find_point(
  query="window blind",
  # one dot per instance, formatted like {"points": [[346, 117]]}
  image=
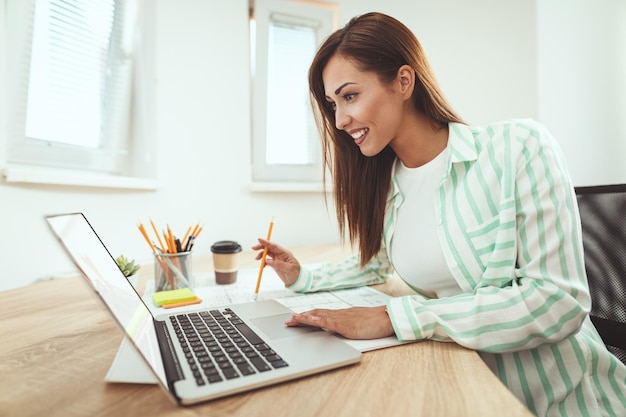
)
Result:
{"points": [[68, 71], [77, 95], [291, 134], [285, 143]]}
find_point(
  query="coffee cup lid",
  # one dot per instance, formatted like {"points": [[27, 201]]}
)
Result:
{"points": [[226, 246]]}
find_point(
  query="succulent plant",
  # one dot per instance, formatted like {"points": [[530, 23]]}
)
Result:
{"points": [[127, 266]]}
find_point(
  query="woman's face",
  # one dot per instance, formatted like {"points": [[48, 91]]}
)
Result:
{"points": [[368, 110]]}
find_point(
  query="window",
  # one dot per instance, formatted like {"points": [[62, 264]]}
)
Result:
{"points": [[285, 37], [71, 70]]}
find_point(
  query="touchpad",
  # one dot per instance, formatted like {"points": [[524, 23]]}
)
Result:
{"points": [[275, 328]]}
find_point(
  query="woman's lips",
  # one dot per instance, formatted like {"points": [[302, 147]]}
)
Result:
{"points": [[359, 135]]}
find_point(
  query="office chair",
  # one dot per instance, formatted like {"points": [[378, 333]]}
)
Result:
{"points": [[603, 218]]}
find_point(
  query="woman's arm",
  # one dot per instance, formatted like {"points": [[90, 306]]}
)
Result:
{"points": [[533, 287], [328, 276]]}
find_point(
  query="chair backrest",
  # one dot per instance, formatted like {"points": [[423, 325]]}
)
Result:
{"points": [[603, 217]]}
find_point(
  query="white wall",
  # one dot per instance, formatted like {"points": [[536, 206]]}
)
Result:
{"points": [[483, 51], [582, 84]]}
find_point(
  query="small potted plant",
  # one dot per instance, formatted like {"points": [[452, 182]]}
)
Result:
{"points": [[128, 267]]}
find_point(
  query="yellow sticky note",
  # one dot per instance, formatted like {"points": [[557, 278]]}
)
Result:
{"points": [[173, 296]]}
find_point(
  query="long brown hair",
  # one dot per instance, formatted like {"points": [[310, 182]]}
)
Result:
{"points": [[381, 44]]}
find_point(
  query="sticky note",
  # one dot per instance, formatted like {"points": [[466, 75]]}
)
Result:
{"points": [[184, 303], [173, 296]]}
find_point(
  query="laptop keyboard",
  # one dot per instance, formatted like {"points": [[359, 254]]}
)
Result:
{"points": [[218, 345]]}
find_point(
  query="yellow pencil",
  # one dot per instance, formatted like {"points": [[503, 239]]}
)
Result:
{"points": [[258, 280], [170, 240], [195, 229], [157, 234], [183, 241], [145, 235]]}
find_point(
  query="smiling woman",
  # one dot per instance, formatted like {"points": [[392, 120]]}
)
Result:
{"points": [[481, 221]]}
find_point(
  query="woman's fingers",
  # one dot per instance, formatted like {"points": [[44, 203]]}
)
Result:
{"points": [[353, 323]]}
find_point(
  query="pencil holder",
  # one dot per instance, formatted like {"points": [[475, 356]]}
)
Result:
{"points": [[172, 271]]}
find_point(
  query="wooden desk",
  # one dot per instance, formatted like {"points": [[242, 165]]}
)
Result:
{"points": [[64, 341]]}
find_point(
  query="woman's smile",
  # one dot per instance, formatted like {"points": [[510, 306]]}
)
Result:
{"points": [[359, 135]]}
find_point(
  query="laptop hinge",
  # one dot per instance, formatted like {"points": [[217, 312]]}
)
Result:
{"points": [[173, 371]]}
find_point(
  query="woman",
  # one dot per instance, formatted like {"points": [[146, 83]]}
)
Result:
{"points": [[481, 221]]}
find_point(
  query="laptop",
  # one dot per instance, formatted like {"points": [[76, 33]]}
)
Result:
{"points": [[200, 355]]}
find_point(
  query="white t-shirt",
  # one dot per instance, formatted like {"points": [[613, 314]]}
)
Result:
{"points": [[415, 251]]}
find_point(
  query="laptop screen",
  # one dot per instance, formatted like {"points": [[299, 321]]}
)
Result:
{"points": [[100, 269]]}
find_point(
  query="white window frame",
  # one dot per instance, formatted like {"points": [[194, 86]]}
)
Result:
{"points": [[283, 177], [37, 161]]}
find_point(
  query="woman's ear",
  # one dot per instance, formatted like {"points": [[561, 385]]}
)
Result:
{"points": [[406, 80]]}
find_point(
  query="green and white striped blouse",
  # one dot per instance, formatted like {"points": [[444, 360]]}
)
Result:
{"points": [[509, 228]]}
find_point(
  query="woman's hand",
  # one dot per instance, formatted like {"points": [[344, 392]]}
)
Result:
{"points": [[353, 323], [281, 260]]}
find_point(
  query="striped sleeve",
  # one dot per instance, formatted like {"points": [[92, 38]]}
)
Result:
{"points": [[510, 233], [345, 274]]}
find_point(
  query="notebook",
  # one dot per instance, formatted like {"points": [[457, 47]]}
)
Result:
{"points": [[200, 355]]}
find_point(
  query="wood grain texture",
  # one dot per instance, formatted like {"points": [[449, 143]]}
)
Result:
{"points": [[63, 342]]}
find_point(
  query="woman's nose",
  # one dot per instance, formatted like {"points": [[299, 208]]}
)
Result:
{"points": [[341, 119]]}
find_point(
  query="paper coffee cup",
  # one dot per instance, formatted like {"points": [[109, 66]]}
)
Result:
{"points": [[226, 261]]}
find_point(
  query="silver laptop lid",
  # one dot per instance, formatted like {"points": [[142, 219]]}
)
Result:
{"points": [[99, 268]]}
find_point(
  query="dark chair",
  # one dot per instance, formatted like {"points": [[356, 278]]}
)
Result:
{"points": [[603, 218]]}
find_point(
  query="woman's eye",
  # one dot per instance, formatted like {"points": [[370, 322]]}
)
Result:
{"points": [[346, 97]]}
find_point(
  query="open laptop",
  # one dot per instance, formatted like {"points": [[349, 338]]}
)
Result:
{"points": [[205, 354]]}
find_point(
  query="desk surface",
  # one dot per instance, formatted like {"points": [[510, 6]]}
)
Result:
{"points": [[65, 342]]}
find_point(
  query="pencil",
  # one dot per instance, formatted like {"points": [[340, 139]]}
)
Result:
{"points": [[195, 229], [170, 240], [258, 280], [142, 229], [183, 241], [145, 236], [157, 234]]}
